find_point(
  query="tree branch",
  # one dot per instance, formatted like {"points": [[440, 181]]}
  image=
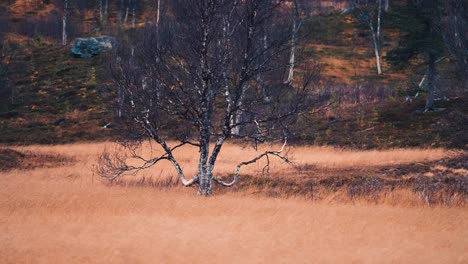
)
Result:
{"points": [[264, 154]]}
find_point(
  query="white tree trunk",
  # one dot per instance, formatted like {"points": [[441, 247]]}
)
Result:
{"points": [[126, 12], [295, 30], [387, 5], [158, 12], [379, 16], [292, 56], [376, 47], [64, 23], [101, 15], [260, 79]]}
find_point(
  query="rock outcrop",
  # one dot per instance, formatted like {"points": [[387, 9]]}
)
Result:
{"points": [[90, 47]]}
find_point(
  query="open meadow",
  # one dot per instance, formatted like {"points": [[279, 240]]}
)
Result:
{"points": [[55, 209]]}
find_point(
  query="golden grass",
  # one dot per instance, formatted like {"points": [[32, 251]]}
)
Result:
{"points": [[67, 215]]}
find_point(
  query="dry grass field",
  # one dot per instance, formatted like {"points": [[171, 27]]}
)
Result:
{"points": [[59, 211]]}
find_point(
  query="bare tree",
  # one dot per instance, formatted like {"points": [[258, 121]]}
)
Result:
{"points": [[203, 75], [296, 25], [370, 13]]}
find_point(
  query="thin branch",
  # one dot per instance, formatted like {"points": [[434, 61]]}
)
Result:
{"points": [[264, 154]]}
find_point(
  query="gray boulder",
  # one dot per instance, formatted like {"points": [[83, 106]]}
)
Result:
{"points": [[90, 47]]}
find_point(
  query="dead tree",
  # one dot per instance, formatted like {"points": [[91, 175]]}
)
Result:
{"points": [[201, 71]]}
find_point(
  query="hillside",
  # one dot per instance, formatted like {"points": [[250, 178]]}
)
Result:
{"points": [[49, 96]]}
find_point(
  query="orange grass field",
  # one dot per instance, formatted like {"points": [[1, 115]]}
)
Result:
{"points": [[67, 214]]}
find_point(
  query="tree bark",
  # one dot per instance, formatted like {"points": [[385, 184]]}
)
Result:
{"points": [[376, 47], [126, 12], [379, 16], [205, 184], [158, 12], [64, 23], [295, 30], [431, 83]]}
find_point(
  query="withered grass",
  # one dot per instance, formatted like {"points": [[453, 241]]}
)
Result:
{"points": [[66, 214]]}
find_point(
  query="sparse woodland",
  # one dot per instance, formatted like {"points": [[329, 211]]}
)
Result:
{"points": [[361, 74], [233, 131]]}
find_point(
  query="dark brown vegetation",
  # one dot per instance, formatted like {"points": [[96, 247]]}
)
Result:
{"points": [[26, 160], [51, 97], [442, 182]]}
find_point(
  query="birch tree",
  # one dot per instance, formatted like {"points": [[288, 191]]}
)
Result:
{"points": [[202, 74], [158, 12], [370, 13], [64, 22], [296, 25]]}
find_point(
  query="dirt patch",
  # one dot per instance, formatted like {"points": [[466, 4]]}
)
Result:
{"points": [[12, 159]]}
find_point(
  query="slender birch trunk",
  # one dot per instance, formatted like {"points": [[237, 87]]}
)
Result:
{"points": [[207, 104], [387, 5], [101, 15], [158, 13], [379, 18], [261, 81], [376, 49], [431, 83], [64, 23], [295, 30], [126, 12], [376, 36]]}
